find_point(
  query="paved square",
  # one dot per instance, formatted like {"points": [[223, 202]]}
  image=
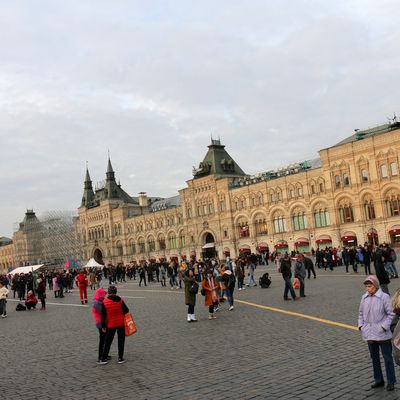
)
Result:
{"points": [[248, 353]]}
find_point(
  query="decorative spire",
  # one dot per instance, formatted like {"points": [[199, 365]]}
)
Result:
{"points": [[110, 172]]}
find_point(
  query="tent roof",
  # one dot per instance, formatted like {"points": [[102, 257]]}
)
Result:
{"points": [[93, 263], [26, 269]]}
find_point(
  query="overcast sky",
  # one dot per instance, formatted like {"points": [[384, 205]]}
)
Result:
{"points": [[152, 80]]}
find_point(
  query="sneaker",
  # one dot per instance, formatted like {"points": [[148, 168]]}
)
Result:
{"points": [[240, 288], [210, 316], [389, 387], [214, 316], [4, 316], [121, 360], [230, 308], [102, 362]]}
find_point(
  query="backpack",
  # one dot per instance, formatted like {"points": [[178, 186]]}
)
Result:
{"points": [[20, 307], [231, 281]]}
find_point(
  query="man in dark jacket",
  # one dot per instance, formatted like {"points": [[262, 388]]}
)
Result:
{"points": [[308, 263], [380, 270], [286, 271]]}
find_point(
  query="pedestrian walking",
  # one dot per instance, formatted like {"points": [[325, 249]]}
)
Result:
{"points": [[228, 279], [112, 321], [251, 281], [191, 290], [374, 320], [82, 284], [97, 307], [210, 287], [286, 271], [300, 273], [308, 263]]}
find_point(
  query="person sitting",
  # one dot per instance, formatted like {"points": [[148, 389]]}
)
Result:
{"points": [[265, 281], [31, 300]]}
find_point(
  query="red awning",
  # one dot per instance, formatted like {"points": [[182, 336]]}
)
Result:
{"points": [[394, 231], [262, 248], [162, 259], [372, 234], [281, 245], [349, 238], [301, 243], [244, 250], [325, 240]]}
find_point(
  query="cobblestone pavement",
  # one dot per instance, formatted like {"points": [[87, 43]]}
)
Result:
{"points": [[248, 353]]}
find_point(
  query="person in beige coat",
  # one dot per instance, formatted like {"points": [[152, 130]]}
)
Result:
{"points": [[3, 300]]}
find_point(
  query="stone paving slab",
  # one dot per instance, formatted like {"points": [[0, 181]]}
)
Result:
{"points": [[248, 353]]}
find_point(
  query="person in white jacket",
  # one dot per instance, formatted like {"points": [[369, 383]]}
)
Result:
{"points": [[3, 296]]}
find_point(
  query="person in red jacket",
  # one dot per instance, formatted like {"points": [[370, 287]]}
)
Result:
{"points": [[113, 320], [82, 283], [31, 300]]}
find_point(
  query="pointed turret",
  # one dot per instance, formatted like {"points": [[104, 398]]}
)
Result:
{"points": [[110, 172], [88, 193]]}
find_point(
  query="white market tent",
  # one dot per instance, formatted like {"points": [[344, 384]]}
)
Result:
{"points": [[92, 263], [26, 269]]}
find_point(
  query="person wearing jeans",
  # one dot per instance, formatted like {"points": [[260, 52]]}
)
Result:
{"points": [[229, 281], [113, 320], [300, 273], [286, 271], [3, 300], [374, 320]]}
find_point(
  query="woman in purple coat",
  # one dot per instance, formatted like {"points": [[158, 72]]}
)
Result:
{"points": [[374, 319]]}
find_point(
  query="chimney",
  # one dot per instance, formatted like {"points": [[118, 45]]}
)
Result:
{"points": [[143, 201]]}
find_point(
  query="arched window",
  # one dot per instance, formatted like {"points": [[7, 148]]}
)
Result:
{"points": [[161, 242], [369, 209], [172, 241], [261, 226], [243, 228], [346, 214], [279, 223], [182, 239], [337, 181], [384, 171], [364, 176], [142, 247], [392, 203], [393, 168], [132, 247], [120, 250], [321, 217], [299, 191], [152, 244], [346, 180], [299, 221]]}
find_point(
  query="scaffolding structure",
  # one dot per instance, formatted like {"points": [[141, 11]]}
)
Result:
{"points": [[51, 239]]}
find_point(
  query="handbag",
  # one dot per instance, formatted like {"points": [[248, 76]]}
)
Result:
{"points": [[194, 288], [130, 326], [203, 291], [296, 283]]}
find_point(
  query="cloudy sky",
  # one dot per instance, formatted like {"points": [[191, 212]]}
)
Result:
{"points": [[150, 81]]}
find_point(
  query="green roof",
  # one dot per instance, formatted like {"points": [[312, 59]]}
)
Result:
{"points": [[366, 133], [217, 162]]}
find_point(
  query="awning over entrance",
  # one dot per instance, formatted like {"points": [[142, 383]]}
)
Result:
{"points": [[349, 237], [324, 239], [394, 230], [262, 247], [209, 245], [302, 242], [281, 244], [372, 233], [244, 249]]}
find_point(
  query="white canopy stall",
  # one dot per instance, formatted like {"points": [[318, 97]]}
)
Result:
{"points": [[26, 269], [92, 263]]}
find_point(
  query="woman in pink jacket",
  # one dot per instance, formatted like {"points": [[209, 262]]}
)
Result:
{"points": [[98, 298]]}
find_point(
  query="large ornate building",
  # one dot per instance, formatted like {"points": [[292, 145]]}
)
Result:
{"points": [[349, 195]]}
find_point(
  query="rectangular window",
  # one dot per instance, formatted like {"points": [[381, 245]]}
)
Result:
{"points": [[317, 219], [222, 205]]}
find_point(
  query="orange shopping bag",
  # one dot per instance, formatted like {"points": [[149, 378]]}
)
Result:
{"points": [[130, 326], [296, 283]]}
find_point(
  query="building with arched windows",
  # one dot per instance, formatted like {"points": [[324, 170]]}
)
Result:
{"points": [[349, 195]]}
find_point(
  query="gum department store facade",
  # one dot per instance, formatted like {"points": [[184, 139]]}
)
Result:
{"points": [[349, 195]]}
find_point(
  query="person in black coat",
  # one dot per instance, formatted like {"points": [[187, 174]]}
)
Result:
{"points": [[380, 270]]}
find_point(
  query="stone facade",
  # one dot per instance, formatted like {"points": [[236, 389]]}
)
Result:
{"points": [[350, 195]]}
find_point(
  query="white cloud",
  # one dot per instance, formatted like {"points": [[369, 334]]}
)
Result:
{"points": [[152, 81]]}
